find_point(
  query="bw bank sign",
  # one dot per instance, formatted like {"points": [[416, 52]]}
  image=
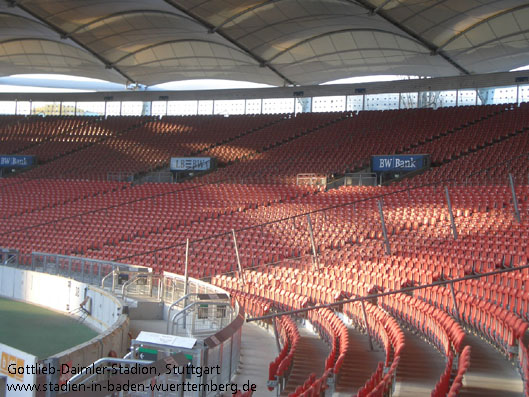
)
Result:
{"points": [[8, 161], [400, 162]]}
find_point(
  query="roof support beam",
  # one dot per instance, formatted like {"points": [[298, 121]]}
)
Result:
{"points": [[8, 14], [64, 35], [154, 45], [471, 27], [243, 12], [246, 50], [434, 50], [126, 13], [309, 39], [380, 7], [525, 31]]}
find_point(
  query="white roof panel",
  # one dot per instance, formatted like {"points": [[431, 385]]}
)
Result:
{"points": [[265, 41]]}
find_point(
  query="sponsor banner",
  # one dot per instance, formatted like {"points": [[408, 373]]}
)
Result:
{"points": [[16, 365], [7, 161], [191, 163], [400, 162]]}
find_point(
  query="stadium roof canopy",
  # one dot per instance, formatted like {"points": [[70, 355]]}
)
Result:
{"points": [[277, 42]]}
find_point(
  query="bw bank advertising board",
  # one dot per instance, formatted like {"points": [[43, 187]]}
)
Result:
{"points": [[399, 162]]}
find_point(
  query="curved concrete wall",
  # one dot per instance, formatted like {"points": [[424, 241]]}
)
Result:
{"points": [[65, 295]]}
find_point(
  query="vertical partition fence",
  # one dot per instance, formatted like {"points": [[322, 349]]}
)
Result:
{"points": [[87, 270]]}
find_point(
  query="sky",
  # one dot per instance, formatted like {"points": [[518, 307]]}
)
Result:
{"points": [[62, 83]]}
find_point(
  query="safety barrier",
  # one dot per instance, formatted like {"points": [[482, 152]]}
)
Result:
{"points": [[65, 295], [88, 270]]}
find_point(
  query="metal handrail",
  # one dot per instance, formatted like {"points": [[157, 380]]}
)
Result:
{"points": [[173, 285], [76, 379], [190, 306], [137, 277], [381, 294], [112, 273], [11, 256], [173, 305]]}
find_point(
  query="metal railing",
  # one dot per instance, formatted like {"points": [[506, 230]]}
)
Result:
{"points": [[201, 318], [116, 176], [156, 177], [357, 179], [311, 180], [174, 287], [8, 257], [102, 369], [151, 357], [143, 285], [88, 270], [369, 297], [180, 303]]}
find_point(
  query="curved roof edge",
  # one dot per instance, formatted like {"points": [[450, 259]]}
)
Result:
{"points": [[396, 86]]}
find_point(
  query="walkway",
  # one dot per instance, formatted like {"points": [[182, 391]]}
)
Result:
{"points": [[489, 374], [258, 350], [309, 358], [359, 364], [420, 367]]}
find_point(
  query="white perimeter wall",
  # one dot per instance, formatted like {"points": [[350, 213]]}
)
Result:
{"points": [[64, 295]]}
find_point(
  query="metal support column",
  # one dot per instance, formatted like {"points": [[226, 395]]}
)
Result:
{"points": [[276, 334], [367, 326], [186, 276], [3, 386], [186, 282], [52, 378], [384, 230], [315, 260], [451, 213], [514, 199], [241, 274], [456, 308]]}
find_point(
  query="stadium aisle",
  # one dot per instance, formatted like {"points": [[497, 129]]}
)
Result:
{"points": [[309, 358], [421, 366], [490, 374], [257, 351], [359, 364]]}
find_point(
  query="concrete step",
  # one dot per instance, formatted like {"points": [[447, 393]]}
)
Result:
{"points": [[258, 350], [420, 368], [359, 364], [309, 358], [490, 374]]}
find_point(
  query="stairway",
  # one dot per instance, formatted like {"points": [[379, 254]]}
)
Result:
{"points": [[309, 358], [420, 367], [489, 374], [359, 364]]}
